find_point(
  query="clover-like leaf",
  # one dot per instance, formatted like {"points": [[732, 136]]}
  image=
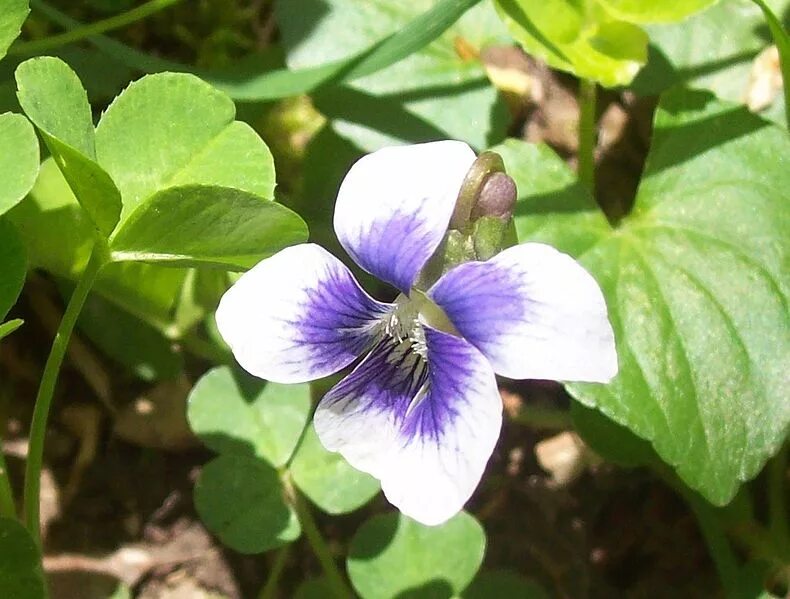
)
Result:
{"points": [[234, 413], [650, 11], [12, 14], [199, 224], [328, 480], [21, 576], [53, 98], [182, 132], [697, 282], [18, 159], [13, 265], [429, 95], [601, 48], [240, 499], [393, 556]]}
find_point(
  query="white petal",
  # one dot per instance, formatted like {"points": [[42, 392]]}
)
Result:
{"points": [[394, 206], [297, 316], [534, 312], [428, 453]]}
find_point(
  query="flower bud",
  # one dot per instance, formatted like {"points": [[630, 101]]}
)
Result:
{"points": [[497, 197]]}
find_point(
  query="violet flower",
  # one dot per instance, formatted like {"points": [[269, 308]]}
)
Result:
{"points": [[421, 411]]}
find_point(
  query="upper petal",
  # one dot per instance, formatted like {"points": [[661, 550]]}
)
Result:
{"points": [[297, 316], [534, 312], [394, 206], [426, 434]]}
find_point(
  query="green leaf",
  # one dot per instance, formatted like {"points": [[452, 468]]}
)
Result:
{"points": [[392, 105], [59, 237], [12, 14], [53, 98], [393, 556], [235, 413], [782, 41], [183, 132], [503, 584], [650, 11], [21, 576], [18, 159], [553, 207], [196, 224], [13, 266], [262, 85], [9, 327], [711, 50], [328, 480], [240, 499], [697, 283], [597, 46]]}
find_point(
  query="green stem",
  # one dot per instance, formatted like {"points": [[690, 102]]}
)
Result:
{"points": [[717, 543], [777, 502], [544, 418], [38, 426], [7, 506], [587, 133], [85, 31], [320, 547], [269, 590]]}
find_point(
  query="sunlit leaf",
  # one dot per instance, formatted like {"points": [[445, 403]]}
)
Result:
{"points": [[650, 11], [18, 159], [198, 224], [53, 98], [12, 14], [697, 282]]}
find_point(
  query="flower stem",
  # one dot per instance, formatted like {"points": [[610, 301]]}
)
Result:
{"points": [[718, 546], [320, 548], [38, 426], [269, 590], [587, 133], [86, 31]]}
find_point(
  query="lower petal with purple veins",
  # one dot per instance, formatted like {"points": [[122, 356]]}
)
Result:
{"points": [[421, 416]]}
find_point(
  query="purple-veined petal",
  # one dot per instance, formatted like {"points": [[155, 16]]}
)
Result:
{"points": [[297, 316], [534, 312], [425, 433], [394, 205]]}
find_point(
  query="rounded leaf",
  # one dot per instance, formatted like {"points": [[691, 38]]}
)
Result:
{"points": [[13, 265], [18, 159], [235, 413], [21, 576], [240, 499], [392, 555]]}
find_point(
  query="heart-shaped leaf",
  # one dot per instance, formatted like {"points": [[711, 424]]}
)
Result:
{"points": [[240, 499], [21, 576], [183, 132], [234, 413], [328, 480], [53, 98], [13, 265], [394, 556], [18, 159], [12, 14], [697, 283], [215, 226]]}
